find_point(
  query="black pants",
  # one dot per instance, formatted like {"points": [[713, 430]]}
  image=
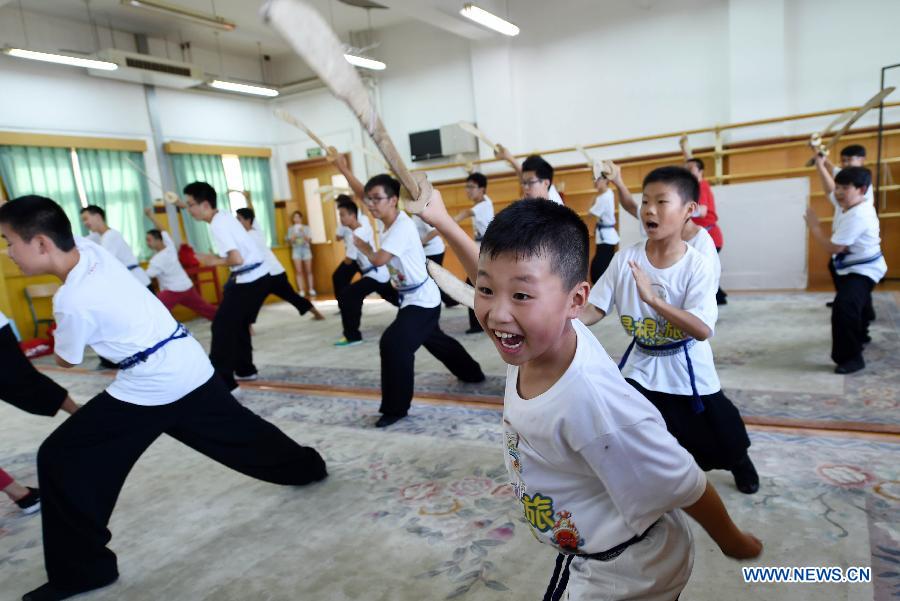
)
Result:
{"points": [[716, 437], [414, 327], [342, 276], [280, 286], [851, 314], [721, 295], [448, 302], [230, 345], [83, 464], [601, 260], [869, 311], [350, 302], [21, 385]]}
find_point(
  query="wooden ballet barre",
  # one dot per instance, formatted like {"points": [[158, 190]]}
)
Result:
{"points": [[805, 142]]}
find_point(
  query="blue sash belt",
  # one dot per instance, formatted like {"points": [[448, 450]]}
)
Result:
{"points": [[401, 291], [130, 267], [665, 350], [245, 268], [840, 263], [140, 357]]}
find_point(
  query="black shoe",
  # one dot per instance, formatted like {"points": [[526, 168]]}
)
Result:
{"points": [[745, 477], [30, 503], [474, 331], [48, 592], [849, 367], [829, 304], [386, 420]]}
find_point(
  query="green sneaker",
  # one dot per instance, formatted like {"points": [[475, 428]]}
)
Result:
{"points": [[345, 342]]}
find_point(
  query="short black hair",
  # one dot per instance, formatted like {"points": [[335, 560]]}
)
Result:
{"points": [[680, 178], [154, 233], [854, 150], [31, 215], [247, 214], [388, 183], [478, 179], [202, 192], [699, 162], [537, 228], [346, 203], [542, 169], [858, 177], [94, 210]]}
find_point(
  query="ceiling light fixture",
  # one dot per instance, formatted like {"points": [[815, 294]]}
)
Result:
{"points": [[180, 12], [364, 62], [243, 88], [489, 20], [62, 59]]}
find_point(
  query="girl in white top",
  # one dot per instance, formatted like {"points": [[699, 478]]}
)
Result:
{"points": [[94, 219], [300, 237], [417, 321], [165, 385], [664, 291]]}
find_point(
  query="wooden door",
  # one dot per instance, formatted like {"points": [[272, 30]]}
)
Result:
{"points": [[320, 213]]}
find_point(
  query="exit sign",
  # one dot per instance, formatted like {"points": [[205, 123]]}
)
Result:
{"points": [[312, 153]]}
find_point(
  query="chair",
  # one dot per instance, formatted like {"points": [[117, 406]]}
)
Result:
{"points": [[37, 291]]}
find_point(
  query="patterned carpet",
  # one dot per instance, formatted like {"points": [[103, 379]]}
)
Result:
{"points": [[422, 511]]}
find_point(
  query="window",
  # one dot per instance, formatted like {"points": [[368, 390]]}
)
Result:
{"points": [[235, 179]]}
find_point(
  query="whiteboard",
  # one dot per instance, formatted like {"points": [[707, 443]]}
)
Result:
{"points": [[765, 234]]}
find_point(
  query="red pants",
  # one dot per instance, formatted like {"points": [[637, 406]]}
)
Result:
{"points": [[5, 479], [191, 299]]}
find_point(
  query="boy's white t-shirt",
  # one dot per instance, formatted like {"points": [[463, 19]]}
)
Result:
{"points": [[689, 284], [554, 195], [591, 459], [703, 242], [407, 266], [115, 244], [167, 269], [859, 229], [379, 274], [482, 215], [100, 305], [604, 210], [435, 246], [272, 263], [228, 234]]}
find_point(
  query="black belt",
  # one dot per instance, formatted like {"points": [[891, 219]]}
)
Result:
{"points": [[560, 578]]}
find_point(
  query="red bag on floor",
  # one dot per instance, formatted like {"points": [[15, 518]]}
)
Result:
{"points": [[37, 347], [187, 257]]}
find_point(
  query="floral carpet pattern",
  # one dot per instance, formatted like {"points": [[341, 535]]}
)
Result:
{"points": [[422, 510]]}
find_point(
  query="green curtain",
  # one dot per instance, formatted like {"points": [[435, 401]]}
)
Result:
{"points": [[120, 190], [43, 171], [200, 168], [258, 182]]}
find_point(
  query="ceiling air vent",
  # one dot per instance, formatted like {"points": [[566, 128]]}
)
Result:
{"points": [[144, 68]]}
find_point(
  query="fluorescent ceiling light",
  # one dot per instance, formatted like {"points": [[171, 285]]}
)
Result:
{"points": [[242, 88], [62, 59], [180, 12], [365, 63], [489, 20]]}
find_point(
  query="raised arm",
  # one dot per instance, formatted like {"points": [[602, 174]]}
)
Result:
{"points": [[340, 162], [824, 169], [626, 200], [503, 152], [150, 215], [435, 214]]}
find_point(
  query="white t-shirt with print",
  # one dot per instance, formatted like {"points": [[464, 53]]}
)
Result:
{"points": [[167, 269], [379, 274], [115, 244], [100, 305], [435, 246], [591, 459], [703, 242], [859, 229], [689, 284], [407, 266], [482, 215], [604, 210], [228, 234], [272, 263]]}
